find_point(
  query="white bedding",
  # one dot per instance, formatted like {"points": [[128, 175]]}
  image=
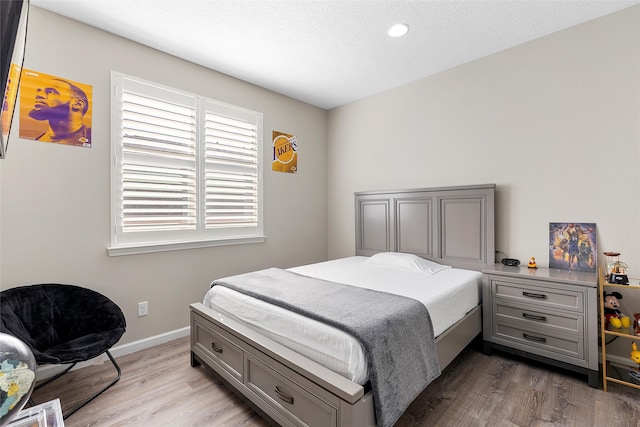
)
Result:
{"points": [[448, 295]]}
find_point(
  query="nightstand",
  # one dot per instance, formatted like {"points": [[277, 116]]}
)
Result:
{"points": [[547, 315]]}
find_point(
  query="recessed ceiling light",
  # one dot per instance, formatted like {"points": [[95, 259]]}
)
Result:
{"points": [[398, 30]]}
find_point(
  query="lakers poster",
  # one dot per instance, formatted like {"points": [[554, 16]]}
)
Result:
{"points": [[54, 109], [285, 152]]}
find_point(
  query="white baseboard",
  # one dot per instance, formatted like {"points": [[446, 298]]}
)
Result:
{"points": [[146, 343], [47, 371]]}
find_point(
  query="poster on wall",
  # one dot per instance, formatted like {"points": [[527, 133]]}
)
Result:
{"points": [[55, 109], [285, 152], [572, 246]]}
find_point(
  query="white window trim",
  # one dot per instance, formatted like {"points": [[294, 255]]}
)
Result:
{"points": [[118, 249], [164, 247]]}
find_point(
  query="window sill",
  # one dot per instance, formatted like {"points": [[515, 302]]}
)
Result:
{"points": [[176, 246]]}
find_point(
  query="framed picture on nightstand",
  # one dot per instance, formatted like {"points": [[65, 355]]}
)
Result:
{"points": [[572, 246]]}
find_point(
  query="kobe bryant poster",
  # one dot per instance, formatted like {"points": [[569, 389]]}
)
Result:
{"points": [[55, 109], [285, 152]]}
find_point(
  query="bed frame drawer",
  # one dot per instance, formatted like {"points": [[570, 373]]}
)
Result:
{"points": [[210, 342], [294, 401]]}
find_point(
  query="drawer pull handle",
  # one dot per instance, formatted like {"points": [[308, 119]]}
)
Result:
{"points": [[283, 396], [534, 317], [215, 348], [532, 295], [534, 338]]}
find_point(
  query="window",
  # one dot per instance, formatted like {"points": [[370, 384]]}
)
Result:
{"points": [[186, 170]]}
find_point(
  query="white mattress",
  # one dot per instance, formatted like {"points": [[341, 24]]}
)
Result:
{"points": [[448, 295]]}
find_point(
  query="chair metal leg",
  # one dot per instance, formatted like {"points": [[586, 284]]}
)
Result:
{"points": [[55, 377], [115, 380], [32, 402], [81, 405]]}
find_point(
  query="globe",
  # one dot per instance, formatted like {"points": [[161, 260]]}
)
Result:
{"points": [[17, 376]]}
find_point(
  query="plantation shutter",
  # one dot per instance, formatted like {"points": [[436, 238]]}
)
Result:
{"points": [[159, 163], [186, 171], [231, 171]]}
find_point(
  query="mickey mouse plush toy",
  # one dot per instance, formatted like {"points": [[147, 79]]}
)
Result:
{"points": [[612, 315]]}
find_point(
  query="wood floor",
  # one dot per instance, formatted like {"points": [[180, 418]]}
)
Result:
{"points": [[159, 388]]}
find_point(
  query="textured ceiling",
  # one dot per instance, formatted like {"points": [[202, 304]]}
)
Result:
{"points": [[330, 52]]}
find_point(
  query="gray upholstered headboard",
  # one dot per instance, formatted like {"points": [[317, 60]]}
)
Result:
{"points": [[450, 225]]}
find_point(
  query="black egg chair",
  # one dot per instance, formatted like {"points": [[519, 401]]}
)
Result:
{"points": [[63, 325]]}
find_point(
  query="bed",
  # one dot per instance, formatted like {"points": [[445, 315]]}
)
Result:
{"points": [[294, 377]]}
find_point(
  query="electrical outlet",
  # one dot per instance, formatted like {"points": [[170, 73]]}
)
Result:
{"points": [[143, 308]]}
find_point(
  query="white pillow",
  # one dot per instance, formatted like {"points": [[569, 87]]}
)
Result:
{"points": [[405, 261]]}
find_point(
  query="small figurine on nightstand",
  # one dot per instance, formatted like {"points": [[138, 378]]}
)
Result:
{"points": [[532, 263]]}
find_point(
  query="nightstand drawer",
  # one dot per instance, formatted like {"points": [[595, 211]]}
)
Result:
{"points": [[531, 318], [552, 297], [567, 346]]}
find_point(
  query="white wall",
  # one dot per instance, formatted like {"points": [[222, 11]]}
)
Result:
{"points": [[55, 199], [555, 123]]}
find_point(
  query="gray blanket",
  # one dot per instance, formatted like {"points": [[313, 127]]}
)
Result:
{"points": [[395, 331]]}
